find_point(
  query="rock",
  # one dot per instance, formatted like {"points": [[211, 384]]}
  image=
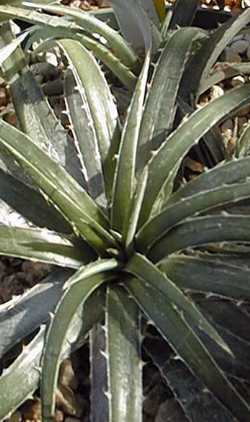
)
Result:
{"points": [[242, 121], [4, 97], [231, 56], [67, 401], [245, 111], [31, 410], [16, 417], [216, 92], [227, 125], [59, 416], [67, 375], [239, 46], [237, 81]]}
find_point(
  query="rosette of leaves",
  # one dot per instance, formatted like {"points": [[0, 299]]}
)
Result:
{"points": [[105, 209]]}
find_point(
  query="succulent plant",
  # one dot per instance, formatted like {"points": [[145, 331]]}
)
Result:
{"points": [[108, 208]]}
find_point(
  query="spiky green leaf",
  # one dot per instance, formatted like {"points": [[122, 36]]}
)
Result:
{"points": [[163, 166], [201, 231], [78, 289], [173, 326], [123, 357], [209, 276]]}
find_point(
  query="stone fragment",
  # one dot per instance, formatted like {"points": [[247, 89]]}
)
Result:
{"points": [[239, 46]]}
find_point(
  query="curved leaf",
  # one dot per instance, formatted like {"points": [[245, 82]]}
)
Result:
{"points": [[225, 71], [58, 185], [140, 267], [200, 231], [183, 19], [197, 402], [175, 329], [163, 166], [15, 385], [208, 276], [35, 116], [85, 138], [17, 195], [159, 225], [160, 106], [135, 24], [101, 52], [91, 24], [41, 245], [79, 288], [225, 173], [102, 107], [202, 62], [31, 16], [25, 313]]}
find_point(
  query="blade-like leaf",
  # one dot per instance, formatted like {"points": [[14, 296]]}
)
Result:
{"points": [[85, 138], [33, 17], [150, 274], [174, 328], [183, 19], [160, 106], [17, 195], [200, 231], [124, 181], [41, 245], [91, 24], [25, 313], [135, 24], [225, 71], [34, 114], [159, 225], [15, 385], [205, 275], [46, 41], [202, 62], [197, 402], [226, 172], [162, 168], [81, 286], [58, 185], [211, 150], [243, 143], [135, 210], [9, 49], [102, 107], [99, 399], [123, 357]]}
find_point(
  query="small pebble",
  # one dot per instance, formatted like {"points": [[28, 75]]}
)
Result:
{"points": [[243, 112], [242, 121], [216, 92], [239, 47], [237, 81], [67, 375], [59, 416], [16, 417], [231, 56], [227, 125]]}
